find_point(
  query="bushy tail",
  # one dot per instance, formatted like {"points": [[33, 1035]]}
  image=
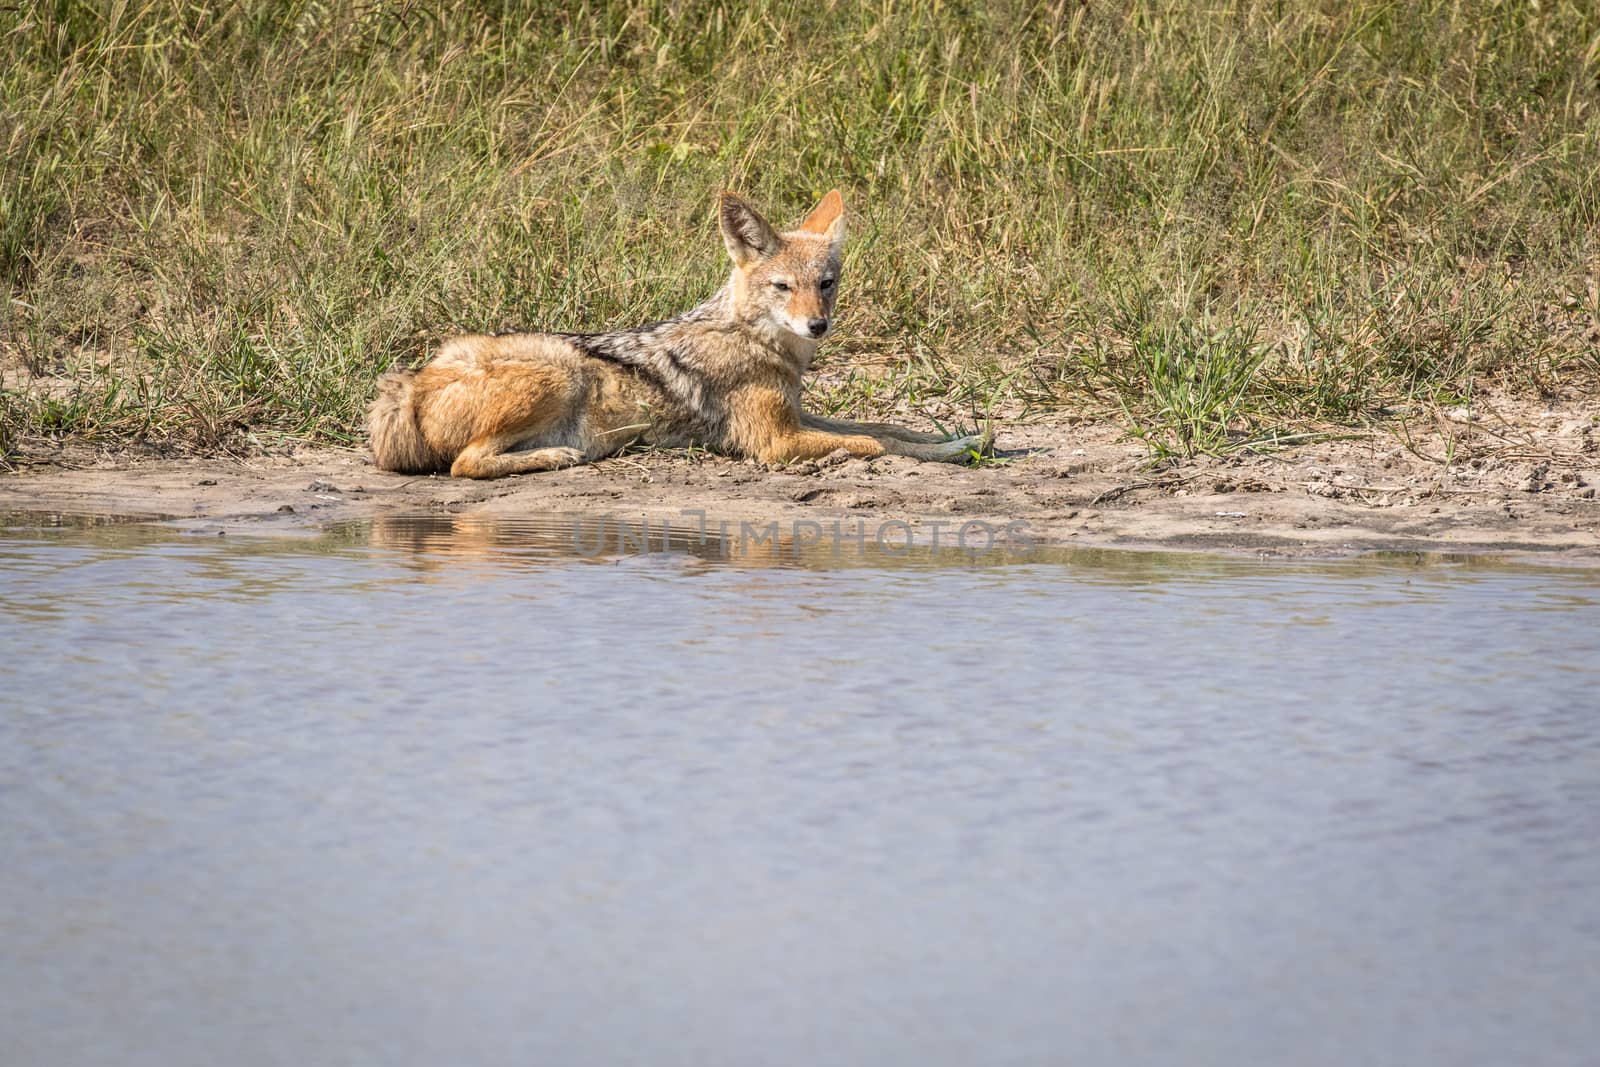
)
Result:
{"points": [[392, 432]]}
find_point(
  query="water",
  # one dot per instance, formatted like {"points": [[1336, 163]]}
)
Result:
{"points": [[436, 791]]}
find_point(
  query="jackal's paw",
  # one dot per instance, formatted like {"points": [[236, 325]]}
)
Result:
{"points": [[565, 457], [960, 449], [549, 458]]}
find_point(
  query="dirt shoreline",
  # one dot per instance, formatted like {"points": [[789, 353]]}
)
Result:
{"points": [[1471, 484]]}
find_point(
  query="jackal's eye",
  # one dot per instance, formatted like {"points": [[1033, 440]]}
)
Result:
{"points": [[782, 287], [827, 283]]}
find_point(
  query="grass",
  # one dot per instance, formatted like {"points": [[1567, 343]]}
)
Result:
{"points": [[1215, 223]]}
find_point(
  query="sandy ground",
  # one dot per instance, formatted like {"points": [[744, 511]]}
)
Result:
{"points": [[1513, 479]]}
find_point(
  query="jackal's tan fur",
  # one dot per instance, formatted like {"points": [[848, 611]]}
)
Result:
{"points": [[725, 375]]}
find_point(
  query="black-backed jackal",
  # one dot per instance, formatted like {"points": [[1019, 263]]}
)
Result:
{"points": [[725, 375]]}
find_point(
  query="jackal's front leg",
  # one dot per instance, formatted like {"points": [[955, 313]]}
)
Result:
{"points": [[814, 444], [870, 429], [954, 450], [767, 424]]}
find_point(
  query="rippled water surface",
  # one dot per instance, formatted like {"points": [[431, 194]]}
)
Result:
{"points": [[437, 791]]}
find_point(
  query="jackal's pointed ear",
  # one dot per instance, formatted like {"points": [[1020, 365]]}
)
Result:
{"points": [[748, 236], [827, 217]]}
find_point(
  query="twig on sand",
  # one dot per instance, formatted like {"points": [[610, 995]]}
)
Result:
{"points": [[605, 464], [1117, 491]]}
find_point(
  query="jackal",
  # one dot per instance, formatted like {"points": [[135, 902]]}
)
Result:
{"points": [[725, 375]]}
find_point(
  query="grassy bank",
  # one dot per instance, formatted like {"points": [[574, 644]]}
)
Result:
{"points": [[218, 223]]}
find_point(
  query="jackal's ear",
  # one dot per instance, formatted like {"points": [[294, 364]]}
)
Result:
{"points": [[827, 217], [748, 236]]}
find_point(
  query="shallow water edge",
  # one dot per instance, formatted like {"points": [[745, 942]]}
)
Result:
{"points": [[807, 544], [1103, 499]]}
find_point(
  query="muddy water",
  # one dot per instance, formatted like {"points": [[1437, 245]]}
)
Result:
{"points": [[443, 792]]}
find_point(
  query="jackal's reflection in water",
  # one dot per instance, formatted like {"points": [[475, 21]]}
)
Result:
{"points": [[697, 541]]}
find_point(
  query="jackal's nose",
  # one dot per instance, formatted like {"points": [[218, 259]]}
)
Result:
{"points": [[818, 327]]}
